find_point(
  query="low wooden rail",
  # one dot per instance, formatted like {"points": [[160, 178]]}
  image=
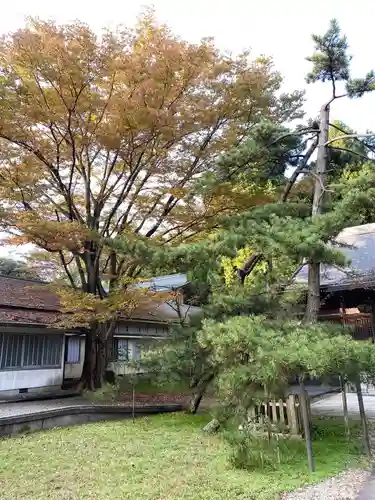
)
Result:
{"points": [[281, 413]]}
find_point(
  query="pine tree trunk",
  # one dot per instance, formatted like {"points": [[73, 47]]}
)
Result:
{"points": [[200, 390], [313, 295], [195, 401]]}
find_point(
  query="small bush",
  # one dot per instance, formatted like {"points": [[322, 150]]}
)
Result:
{"points": [[106, 394], [252, 451], [248, 452]]}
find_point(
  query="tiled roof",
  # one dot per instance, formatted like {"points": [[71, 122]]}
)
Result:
{"points": [[25, 316], [26, 301], [18, 292], [357, 243]]}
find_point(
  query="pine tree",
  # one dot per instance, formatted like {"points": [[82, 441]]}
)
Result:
{"points": [[330, 62]]}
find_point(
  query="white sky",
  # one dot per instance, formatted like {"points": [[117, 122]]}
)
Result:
{"points": [[277, 28], [281, 29]]}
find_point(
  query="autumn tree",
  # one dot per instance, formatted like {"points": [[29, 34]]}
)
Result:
{"points": [[105, 137]]}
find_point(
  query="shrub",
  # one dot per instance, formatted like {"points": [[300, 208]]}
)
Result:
{"points": [[250, 450], [106, 394]]}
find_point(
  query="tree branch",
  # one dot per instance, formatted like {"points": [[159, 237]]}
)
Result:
{"points": [[368, 146], [299, 170], [66, 269], [348, 136], [353, 153]]}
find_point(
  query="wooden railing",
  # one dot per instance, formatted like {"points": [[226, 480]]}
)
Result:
{"points": [[281, 414]]}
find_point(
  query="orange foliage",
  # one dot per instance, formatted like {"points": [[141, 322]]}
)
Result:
{"points": [[102, 136], [83, 309]]}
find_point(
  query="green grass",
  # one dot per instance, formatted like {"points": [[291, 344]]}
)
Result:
{"points": [[164, 457]]}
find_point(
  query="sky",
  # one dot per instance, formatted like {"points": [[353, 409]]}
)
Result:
{"points": [[280, 29]]}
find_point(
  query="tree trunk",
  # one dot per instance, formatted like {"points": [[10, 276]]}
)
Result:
{"points": [[101, 361], [195, 401], [200, 389], [313, 295], [87, 378], [95, 361], [321, 161]]}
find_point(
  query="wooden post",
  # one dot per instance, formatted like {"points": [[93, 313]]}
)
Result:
{"points": [[373, 318], [281, 411], [292, 415], [133, 405], [306, 425], [345, 406], [366, 437], [342, 379], [274, 411]]}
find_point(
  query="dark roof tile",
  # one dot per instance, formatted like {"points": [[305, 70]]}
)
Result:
{"points": [[17, 292]]}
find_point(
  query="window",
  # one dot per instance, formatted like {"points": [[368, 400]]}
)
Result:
{"points": [[24, 352], [124, 350], [73, 350], [120, 350]]}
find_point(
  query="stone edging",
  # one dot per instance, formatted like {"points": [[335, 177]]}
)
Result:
{"points": [[77, 414]]}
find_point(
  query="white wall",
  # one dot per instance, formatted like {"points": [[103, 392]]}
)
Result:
{"points": [[51, 378], [122, 368], [27, 379], [74, 370]]}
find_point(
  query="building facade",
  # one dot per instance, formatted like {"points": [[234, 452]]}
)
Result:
{"points": [[37, 357]]}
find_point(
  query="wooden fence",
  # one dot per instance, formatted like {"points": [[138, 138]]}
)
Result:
{"points": [[282, 414]]}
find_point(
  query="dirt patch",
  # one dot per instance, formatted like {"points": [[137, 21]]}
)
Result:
{"points": [[159, 398]]}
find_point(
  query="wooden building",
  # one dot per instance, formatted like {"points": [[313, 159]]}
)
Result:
{"points": [[348, 293], [35, 356]]}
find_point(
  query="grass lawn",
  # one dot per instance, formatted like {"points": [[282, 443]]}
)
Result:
{"points": [[164, 457]]}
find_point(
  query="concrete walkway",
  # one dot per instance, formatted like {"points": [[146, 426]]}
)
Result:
{"points": [[29, 407], [332, 406]]}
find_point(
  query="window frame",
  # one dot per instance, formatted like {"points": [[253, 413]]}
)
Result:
{"points": [[133, 350], [26, 367], [68, 338]]}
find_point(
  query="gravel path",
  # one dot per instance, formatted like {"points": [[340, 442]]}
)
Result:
{"points": [[345, 486]]}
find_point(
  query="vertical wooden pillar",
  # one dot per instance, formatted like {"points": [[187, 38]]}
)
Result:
{"points": [[306, 425], [366, 436], [373, 317]]}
